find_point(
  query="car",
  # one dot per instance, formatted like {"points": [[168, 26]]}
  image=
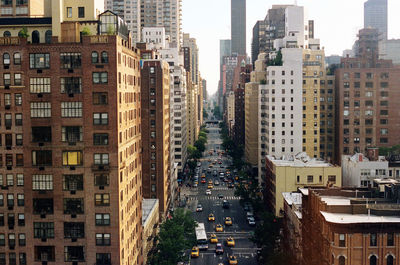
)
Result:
{"points": [[208, 192], [219, 228], [249, 214], [210, 182], [203, 181], [228, 221], [251, 221], [195, 252], [209, 170], [221, 174], [216, 182], [195, 185], [199, 208], [219, 162], [219, 249], [230, 185], [225, 179], [210, 166], [213, 238], [220, 196], [232, 260], [230, 242], [225, 204], [211, 217], [221, 166], [210, 186]]}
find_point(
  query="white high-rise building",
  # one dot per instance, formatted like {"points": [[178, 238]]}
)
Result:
{"points": [[129, 10]]}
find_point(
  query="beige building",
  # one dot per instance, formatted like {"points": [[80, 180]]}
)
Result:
{"points": [[150, 223], [290, 173], [251, 123], [313, 73], [192, 111]]}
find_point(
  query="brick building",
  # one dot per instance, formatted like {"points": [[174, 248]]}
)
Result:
{"points": [[72, 177], [155, 87], [367, 94]]}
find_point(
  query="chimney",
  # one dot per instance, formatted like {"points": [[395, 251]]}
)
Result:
{"points": [[373, 153]]}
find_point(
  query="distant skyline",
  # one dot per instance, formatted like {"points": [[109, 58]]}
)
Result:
{"points": [[336, 24]]}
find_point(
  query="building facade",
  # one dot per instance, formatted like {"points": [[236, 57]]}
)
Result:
{"points": [[155, 114], [327, 116], [71, 173]]}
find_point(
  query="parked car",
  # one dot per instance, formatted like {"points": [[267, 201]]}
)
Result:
{"points": [[251, 221], [208, 192], [219, 249], [225, 204], [249, 214], [199, 208]]}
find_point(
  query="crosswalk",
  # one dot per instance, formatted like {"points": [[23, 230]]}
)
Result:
{"points": [[213, 198]]}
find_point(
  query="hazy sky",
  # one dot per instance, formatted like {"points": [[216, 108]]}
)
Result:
{"points": [[336, 25]]}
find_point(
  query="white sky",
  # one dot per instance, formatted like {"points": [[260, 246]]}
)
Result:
{"points": [[336, 24]]}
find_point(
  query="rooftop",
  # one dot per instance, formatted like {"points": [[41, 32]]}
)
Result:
{"points": [[343, 218], [148, 206], [292, 198], [299, 160], [335, 200]]}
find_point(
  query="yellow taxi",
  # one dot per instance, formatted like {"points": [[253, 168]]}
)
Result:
{"points": [[195, 252], [230, 242], [228, 221], [213, 238], [211, 217], [210, 186], [210, 182], [232, 260], [219, 228]]}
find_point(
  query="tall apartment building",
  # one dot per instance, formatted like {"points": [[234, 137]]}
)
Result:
{"points": [[163, 13], [239, 129], [224, 50], [191, 114], [230, 111], [73, 176], [130, 12], [155, 114], [376, 16], [251, 123], [194, 57], [327, 118], [238, 27], [204, 85], [366, 95]]}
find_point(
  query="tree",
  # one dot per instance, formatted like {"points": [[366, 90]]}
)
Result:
{"points": [[193, 152], [176, 235], [23, 33], [86, 31]]}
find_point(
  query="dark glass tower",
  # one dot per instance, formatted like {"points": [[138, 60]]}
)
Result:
{"points": [[376, 16], [238, 26]]}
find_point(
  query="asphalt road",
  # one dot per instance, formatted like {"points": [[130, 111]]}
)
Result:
{"points": [[244, 250]]}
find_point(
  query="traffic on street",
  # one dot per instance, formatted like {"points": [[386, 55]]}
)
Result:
{"points": [[209, 194]]}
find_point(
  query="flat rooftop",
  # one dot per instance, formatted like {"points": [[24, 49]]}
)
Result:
{"points": [[299, 160], [292, 198], [343, 218], [148, 205]]}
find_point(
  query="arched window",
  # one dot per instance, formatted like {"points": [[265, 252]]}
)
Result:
{"points": [[17, 58], [342, 260], [47, 36], [372, 260], [6, 59], [389, 260], [95, 57], [35, 36], [104, 57], [7, 34]]}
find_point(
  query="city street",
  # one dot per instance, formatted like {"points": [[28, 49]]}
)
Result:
{"points": [[244, 250]]}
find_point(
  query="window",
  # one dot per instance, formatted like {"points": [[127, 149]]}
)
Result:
{"points": [[41, 134], [6, 34], [17, 58], [100, 139], [40, 109], [2, 240], [45, 253], [74, 230], [41, 158], [72, 182], [42, 182], [22, 239], [18, 99], [104, 57], [72, 158], [22, 258], [71, 109], [101, 159], [332, 179], [39, 60], [81, 12], [103, 239], [8, 139], [43, 230], [95, 57], [73, 206], [103, 258], [100, 77], [72, 134], [43, 206], [100, 98], [72, 253], [71, 85], [372, 260], [373, 240], [20, 199], [1, 200], [69, 12], [102, 199], [21, 219], [390, 240], [9, 160], [6, 59], [1, 219], [17, 79], [70, 60], [11, 240], [47, 36], [39, 84], [10, 180], [384, 131], [35, 36], [100, 118], [101, 180], [19, 160], [102, 219], [310, 179], [389, 260], [7, 79], [342, 240]]}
